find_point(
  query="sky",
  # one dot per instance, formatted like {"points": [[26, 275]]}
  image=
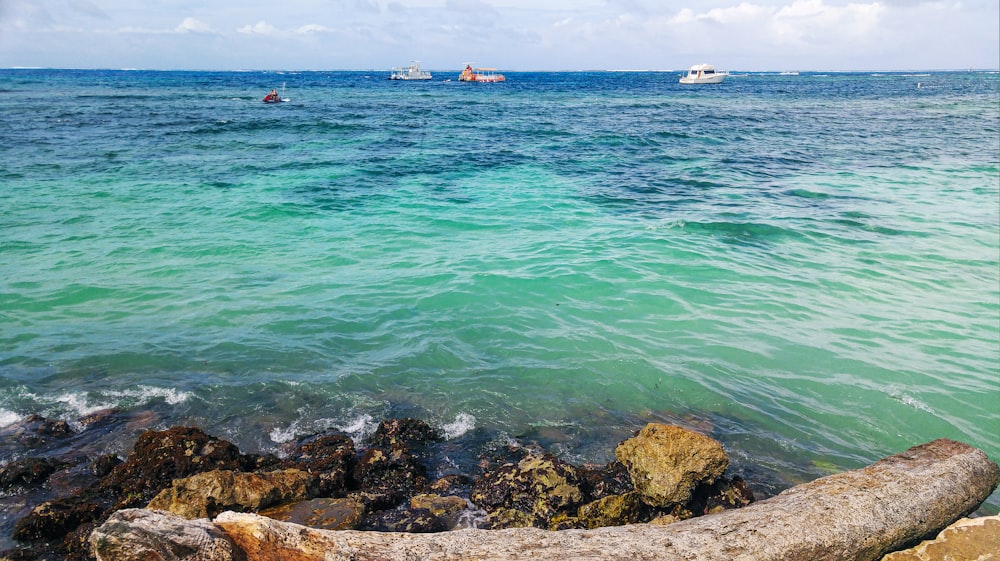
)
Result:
{"points": [[748, 35]]}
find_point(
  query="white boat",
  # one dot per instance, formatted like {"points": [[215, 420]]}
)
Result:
{"points": [[411, 72], [703, 74]]}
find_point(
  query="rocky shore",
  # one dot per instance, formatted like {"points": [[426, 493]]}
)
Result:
{"points": [[376, 500]]}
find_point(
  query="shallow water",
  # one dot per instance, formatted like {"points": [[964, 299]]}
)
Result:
{"points": [[805, 267]]}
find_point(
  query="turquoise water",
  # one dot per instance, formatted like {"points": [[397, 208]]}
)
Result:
{"points": [[805, 267]]}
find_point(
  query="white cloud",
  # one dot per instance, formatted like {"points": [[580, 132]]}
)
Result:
{"points": [[192, 25], [516, 34], [259, 28], [312, 28]]}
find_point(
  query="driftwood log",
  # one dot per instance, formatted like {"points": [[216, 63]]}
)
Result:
{"points": [[853, 516]]}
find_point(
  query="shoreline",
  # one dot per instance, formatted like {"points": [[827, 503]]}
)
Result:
{"points": [[403, 459]]}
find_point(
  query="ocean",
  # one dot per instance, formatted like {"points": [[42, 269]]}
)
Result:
{"points": [[806, 268]]}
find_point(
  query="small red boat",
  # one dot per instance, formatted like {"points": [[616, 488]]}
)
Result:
{"points": [[273, 97]]}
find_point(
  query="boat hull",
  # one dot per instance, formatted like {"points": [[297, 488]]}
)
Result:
{"points": [[716, 79]]}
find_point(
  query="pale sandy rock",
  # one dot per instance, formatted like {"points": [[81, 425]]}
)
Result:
{"points": [[148, 535], [969, 539], [666, 462], [206, 494]]}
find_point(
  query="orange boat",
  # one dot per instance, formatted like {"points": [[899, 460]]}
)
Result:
{"points": [[485, 75]]}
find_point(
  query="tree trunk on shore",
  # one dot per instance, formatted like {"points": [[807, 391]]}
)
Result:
{"points": [[853, 516]]}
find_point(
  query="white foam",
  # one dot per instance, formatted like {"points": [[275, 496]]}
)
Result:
{"points": [[282, 435], [359, 428], [915, 403], [463, 423], [906, 399], [8, 418]]}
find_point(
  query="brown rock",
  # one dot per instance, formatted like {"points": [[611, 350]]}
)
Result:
{"points": [[539, 485], [206, 494], [852, 516], [386, 476], [325, 514], [159, 457], [54, 519], [409, 520], [403, 432], [331, 456], [613, 510], [448, 509], [969, 539], [146, 535], [666, 462], [29, 471]]}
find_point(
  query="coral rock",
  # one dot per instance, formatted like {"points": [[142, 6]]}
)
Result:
{"points": [[666, 462], [538, 485], [205, 495]]}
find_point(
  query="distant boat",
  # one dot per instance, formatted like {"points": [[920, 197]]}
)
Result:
{"points": [[703, 74], [485, 75], [411, 72]]}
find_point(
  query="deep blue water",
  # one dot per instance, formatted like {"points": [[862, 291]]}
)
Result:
{"points": [[804, 267]]}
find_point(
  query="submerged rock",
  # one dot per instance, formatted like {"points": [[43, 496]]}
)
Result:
{"points": [[29, 471], [205, 495], [447, 509], [35, 431], [324, 513], [667, 462], [409, 520]]}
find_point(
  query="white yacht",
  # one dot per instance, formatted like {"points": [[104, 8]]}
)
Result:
{"points": [[703, 74], [411, 72]]}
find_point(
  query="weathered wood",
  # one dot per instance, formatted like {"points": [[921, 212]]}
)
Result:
{"points": [[853, 516]]}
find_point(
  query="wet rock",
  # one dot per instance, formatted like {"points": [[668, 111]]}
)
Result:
{"points": [[724, 494], [140, 534], [205, 495], [386, 476], [324, 513], [29, 471], [103, 464], [969, 539], [455, 484], [332, 457], [539, 485], [403, 432], [409, 520], [604, 481], [35, 431], [666, 462], [504, 518], [159, 457], [54, 519], [448, 509], [613, 510]]}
